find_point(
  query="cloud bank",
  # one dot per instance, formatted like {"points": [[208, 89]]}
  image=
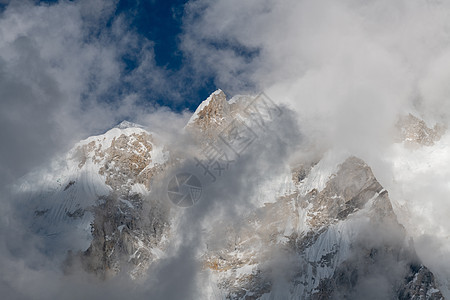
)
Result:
{"points": [[347, 68]]}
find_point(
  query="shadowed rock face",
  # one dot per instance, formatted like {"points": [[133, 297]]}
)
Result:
{"points": [[125, 236], [419, 284]]}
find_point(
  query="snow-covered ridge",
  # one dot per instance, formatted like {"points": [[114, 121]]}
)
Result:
{"points": [[106, 138]]}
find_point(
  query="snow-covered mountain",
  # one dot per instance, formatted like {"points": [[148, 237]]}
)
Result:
{"points": [[92, 200], [324, 228]]}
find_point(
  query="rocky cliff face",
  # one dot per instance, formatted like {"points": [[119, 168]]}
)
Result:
{"points": [[333, 235], [129, 230]]}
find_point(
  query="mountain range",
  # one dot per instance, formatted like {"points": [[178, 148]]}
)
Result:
{"points": [[240, 194]]}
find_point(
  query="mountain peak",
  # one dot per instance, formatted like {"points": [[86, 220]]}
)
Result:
{"points": [[212, 110]]}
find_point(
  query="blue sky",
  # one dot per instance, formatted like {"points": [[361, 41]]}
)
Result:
{"points": [[177, 75], [161, 22]]}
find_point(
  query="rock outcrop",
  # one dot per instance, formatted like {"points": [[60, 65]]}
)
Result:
{"points": [[415, 132]]}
